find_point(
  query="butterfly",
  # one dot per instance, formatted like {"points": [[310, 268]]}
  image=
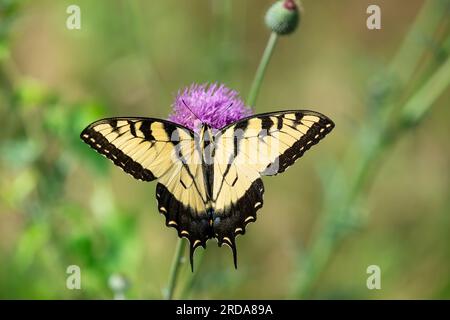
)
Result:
{"points": [[209, 180]]}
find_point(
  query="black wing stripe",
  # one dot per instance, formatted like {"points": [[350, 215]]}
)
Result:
{"points": [[316, 133], [191, 175], [98, 142], [132, 128], [266, 123]]}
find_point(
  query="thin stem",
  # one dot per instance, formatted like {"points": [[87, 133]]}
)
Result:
{"points": [[257, 81], [340, 217], [414, 44], [333, 223], [405, 66], [192, 277], [413, 112], [176, 262], [324, 243], [418, 105]]}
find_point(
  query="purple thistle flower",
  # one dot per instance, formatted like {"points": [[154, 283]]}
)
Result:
{"points": [[213, 104]]}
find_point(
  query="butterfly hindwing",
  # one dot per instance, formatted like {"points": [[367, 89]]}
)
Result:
{"points": [[232, 219], [189, 222]]}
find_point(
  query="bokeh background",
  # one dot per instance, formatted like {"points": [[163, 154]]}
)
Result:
{"points": [[62, 204]]}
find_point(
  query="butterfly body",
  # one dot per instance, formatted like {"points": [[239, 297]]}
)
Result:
{"points": [[209, 180]]}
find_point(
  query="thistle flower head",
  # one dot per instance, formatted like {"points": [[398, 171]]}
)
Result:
{"points": [[213, 104]]}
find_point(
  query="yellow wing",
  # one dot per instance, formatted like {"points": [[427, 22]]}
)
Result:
{"points": [[264, 144], [150, 149]]}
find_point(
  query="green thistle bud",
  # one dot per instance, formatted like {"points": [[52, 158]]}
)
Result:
{"points": [[283, 17]]}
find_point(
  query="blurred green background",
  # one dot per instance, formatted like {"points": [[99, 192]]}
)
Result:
{"points": [[62, 204]]}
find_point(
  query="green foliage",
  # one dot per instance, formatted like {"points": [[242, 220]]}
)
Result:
{"points": [[384, 200]]}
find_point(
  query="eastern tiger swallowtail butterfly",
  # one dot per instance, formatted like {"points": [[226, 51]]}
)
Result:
{"points": [[209, 181]]}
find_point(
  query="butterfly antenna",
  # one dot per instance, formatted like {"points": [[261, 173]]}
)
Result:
{"points": [[231, 104], [185, 104]]}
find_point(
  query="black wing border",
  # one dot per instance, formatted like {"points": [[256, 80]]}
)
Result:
{"points": [[118, 157]]}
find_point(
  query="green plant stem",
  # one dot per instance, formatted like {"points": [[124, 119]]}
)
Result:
{"points": [[341, 215], [176, 262], [257, 81], [324, 243], [192, 277], [418, 105], [414, 44]]}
